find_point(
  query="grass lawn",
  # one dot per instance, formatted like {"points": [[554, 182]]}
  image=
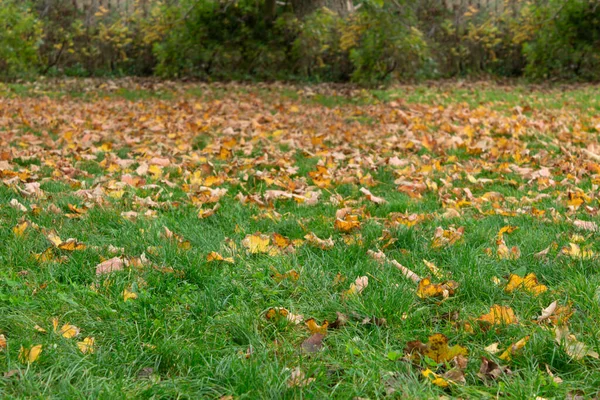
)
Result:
{"points": [[179, 240]]}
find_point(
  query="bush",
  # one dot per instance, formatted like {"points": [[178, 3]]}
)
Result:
{"points": [[566, 43], [20, 37]]}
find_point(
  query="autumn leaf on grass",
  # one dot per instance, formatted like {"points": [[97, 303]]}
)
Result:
{"points": [[20, 228], [370, 196], [181, 242], [408, 220], [313, 327], [513, 348], [586, 225], [498, 315], [70, 244], [435, 270], [205, 213], [314, 343], [446, 237], [436, 349], [454, 376], [29, 355], [324, 244], [292, 275], [571, 345], [555, 314], [2, 342], [129, 295], [504, 253], [275, 313], [529, 284], [346, 220], [427, 289], [381, 258], [575, 251], [281, 242], [357, 287], [112, 265], [86, 345], [67, 331], [490, 370], [214, 256], [257, 243], [298, 379]]}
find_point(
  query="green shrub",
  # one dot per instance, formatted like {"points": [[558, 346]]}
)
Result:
{"points": [[566, 43], [20, 37]]}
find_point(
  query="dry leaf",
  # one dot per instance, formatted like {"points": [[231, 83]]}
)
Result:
{"points": [[436, 349], [498, 315], [529, 284], [29, 355], [87, 345], [112, 265], [512, 349]]}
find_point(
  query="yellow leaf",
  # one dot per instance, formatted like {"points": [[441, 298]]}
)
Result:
{"points": [[498, 315], [506, 356], [313, 327], [30, 355], [71, 245], [2, 342], [87, 345], [214, 256], [437, 349], [529, 284], [435, 378], [53, 237], [19, 229], [427, 289], [68, 331], [257, 243], [128, 295]]}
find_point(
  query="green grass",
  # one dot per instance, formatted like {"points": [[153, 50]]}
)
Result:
{"points": [[197, 329]]}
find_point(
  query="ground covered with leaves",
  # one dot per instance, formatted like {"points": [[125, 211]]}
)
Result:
{"points": [[229, 241]]}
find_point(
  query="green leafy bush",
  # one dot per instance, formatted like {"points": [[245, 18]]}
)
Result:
{"points": [[566, 43], [20, 37]]}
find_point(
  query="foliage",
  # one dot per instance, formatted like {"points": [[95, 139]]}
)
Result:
{"points": [[566, 43], [20, 38], [381, 41]]}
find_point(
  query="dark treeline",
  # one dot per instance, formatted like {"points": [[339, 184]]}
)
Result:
{"points": [[367, 42]]}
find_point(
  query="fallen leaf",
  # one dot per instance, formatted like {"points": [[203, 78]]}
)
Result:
{"points": [[298, 379], [446, 237], [2, 342], [30, 355], [490, 370], [498, 315], [512, 349], [68, 331], [436, 349], [129, 295], [529, 284], [314, 343], [371, 197], [586, 225], [427, 289], [358, 286], [112, 265], [87, 345], [257, 243], [324, 244], [214, 256], [313, 327], [492, 348], [571, 345]]}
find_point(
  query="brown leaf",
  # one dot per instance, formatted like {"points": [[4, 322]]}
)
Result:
{"points": [[112, 265], [314, 343]]}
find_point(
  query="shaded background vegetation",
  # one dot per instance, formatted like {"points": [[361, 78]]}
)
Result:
{"points": [[368, 41]]}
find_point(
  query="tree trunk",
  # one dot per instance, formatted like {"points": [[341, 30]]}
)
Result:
{"points": [[303, 8]]}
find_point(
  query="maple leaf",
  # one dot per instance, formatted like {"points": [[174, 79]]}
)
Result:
{"points": [[257, 243], [529, 284], [427, 289], [436, 349], [498, 315], [446, 237]]}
